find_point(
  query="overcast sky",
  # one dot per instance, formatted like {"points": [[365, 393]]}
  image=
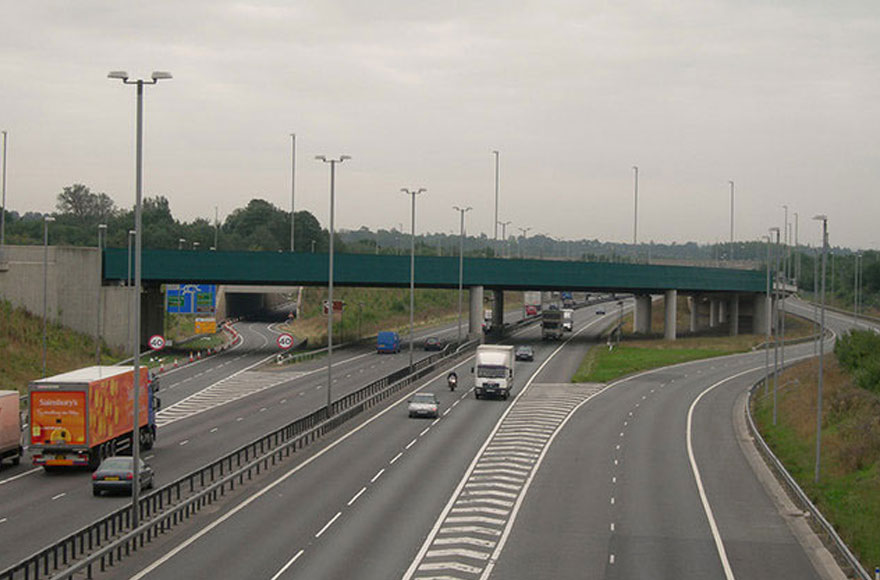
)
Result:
{"points": [[782, 97]]}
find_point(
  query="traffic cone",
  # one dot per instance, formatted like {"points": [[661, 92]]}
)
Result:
{"points": [[190, 356], [162, 368], [175, 363]]}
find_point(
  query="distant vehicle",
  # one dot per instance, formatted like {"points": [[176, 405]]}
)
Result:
{"points": [[80, 417], [567, 319], [433, 343], [553, 307], [551, 324], [424, 405], [524, 352], [531, 310], [487, 314], [388, 342], [10, 427], [493, 367], [117, 474], [567, 299], [600, 311]]}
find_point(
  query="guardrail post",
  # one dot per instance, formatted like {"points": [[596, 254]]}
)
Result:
{"points": [[877, 573]]}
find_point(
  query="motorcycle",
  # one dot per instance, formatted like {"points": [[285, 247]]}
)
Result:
{"points": [[451, 380]]}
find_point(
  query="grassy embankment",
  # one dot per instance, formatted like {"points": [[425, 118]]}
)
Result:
{"points": [[848, 492], [21, 349], [635, 354]]}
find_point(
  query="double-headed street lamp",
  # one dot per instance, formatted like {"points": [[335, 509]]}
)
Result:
{"points": [[774, 311], [824, 220], [731, 219], [504, 236], [497, 160], [292, 185], [138, 229], [412, 265], [462, 211], [332, 163]]}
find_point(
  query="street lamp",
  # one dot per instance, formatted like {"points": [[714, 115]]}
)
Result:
{"points": [[332, 163], [824, 220], [497, 159], [3, 208], [775, 326], [313, 246], [102, 229], [46, 220], [462, 211], [857, 286], [216, 228], [523, 231], [196, 245], [767, 301], [504, 235], [129, 288], [138, 229], [412, 265], [635, 206], [292, 185], [731, 219], [180, 243]]}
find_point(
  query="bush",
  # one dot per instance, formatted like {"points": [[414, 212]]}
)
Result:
{"points": [[859, 353]]}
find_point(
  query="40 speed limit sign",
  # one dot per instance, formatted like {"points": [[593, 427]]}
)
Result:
{"points": [[285, 341], [157, 342]]}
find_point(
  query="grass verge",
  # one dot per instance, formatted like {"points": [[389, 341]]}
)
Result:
{"points": [[848, 491]]}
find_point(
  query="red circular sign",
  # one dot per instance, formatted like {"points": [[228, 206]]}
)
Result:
{"points": [[285, 341], [157, 342]]}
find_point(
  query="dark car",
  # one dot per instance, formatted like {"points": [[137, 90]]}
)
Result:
{"points": [[117, 473], [433, 343], [600, 311], [524, 353]]}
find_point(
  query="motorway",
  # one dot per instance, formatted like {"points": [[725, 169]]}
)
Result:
{"points": [[650, 476], [209, 408]]}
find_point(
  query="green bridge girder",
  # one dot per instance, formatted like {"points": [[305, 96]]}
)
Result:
{"points": [[285, 268]]}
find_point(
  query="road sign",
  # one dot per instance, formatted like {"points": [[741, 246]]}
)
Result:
{"points": [[206, 325], [285, 341], [157, 342], [190, 298], [338, 306]]}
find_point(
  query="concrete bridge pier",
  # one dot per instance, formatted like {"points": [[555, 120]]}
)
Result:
{"points": [[475, 308], [498, 312], [669, 330], [694, 303], [722, 311], [642, 314], [761, 316], [713, 312], [734, 315]]}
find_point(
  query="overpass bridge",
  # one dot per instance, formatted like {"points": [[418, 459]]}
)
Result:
{"points": [[717, 294]]}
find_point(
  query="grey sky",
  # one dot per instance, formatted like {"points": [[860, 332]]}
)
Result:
{"points": [[782, 97]]}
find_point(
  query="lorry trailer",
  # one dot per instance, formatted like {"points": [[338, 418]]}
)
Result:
{"points": [[81, 417], [10, 427]]}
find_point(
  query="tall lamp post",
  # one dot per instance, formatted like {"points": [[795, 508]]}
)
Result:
{"points": [[412, 265], [332, 163], [129, 288], [3, 208], [497, 160], [504, 236], [46, 221], [138, 232], [769, 302], [292, 185], [731, 219], [635, 206], [824, 220], [102, 229], [774, 312], [180, 243], [462, 211]]}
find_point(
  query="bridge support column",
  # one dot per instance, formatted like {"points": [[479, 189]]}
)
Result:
{"points": [[722, 311], [669, 331], [734, 315], [498, 312], [761, 316], [642, 314], [152, 313], [694, 303], [713, 312], [475, 320]]}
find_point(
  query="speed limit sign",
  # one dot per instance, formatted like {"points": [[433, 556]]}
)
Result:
{"points": [[157, 342], [285, 341]]}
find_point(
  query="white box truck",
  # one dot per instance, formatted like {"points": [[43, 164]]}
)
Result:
{"points": [[10, 427], [493, 371], [567, 319]]}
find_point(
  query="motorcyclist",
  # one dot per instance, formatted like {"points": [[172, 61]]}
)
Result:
{"points": [[452, 380]]}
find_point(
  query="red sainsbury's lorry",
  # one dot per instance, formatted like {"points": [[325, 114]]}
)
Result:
{"points": [[80, 417]]}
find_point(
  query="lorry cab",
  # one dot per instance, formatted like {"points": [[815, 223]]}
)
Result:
{"points": [[388, 342], [493, 371]]}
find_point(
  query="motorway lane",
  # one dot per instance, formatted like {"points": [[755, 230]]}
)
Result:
{"points": [[617, 496], [372, 496], [26, 526]]}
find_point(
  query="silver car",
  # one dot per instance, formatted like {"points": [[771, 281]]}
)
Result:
{"points": [[424, 405]]}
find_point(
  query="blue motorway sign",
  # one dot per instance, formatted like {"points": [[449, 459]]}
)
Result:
{"points": [[190, 298]]}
